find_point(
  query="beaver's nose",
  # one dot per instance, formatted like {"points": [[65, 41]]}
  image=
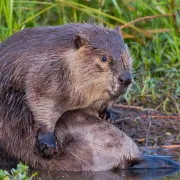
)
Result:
{"points": [[125, 79]]}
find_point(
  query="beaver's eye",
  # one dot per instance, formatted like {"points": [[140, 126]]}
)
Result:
{"points": [[103, 58]]}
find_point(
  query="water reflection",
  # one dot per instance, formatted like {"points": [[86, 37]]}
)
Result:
{"points": [[163, 174], [140, 174], [109, 175]]}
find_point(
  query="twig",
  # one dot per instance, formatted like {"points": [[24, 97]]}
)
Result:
{"points": [[178, 136], [140, 108], [144, 18], [171, 146], [175, 103], [127, 106], [116, 111], [147, 133], [123, 119], [145, 117], [165, 146], [161, 117]]}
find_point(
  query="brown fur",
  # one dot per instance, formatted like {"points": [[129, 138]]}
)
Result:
{"points": [[92, 145], [41, 66], [48, 71]]}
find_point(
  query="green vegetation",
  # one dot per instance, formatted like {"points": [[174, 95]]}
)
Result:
{"points": [[20, 173], [153, 37]]}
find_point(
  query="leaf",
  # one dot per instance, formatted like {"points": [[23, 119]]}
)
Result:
{"points": [[34, 174], [161, 9], [116, 6]]}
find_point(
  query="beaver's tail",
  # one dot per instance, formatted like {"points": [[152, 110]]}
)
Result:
{"points": [[155, 162], [149, 166]]}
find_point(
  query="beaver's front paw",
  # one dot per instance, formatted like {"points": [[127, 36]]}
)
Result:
{"points": [[110, 115], [46, 144]]}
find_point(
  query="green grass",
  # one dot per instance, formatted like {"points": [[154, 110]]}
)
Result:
{"points": [[20, 173], [154, 41]]}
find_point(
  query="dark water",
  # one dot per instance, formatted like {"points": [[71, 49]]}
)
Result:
{"points": [[143, 174]]}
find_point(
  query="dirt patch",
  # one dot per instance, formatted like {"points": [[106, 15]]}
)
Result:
{"points": [[141, 124]]}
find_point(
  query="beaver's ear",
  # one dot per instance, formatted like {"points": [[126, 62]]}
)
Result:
{"points": [[117, 29], [78, 41]]}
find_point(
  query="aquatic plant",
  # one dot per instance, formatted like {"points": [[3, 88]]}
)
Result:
{"points": [[20, 173]]}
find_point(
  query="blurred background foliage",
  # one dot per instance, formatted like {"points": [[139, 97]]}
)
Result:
{"points": [[151, 29]]}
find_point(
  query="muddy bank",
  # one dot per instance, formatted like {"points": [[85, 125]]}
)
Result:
{"points": [[139, 124]]}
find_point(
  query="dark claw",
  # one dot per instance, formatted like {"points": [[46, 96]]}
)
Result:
{"points": [[46, 144], [110, 116]]}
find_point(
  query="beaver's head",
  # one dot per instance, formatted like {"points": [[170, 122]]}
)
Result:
{"points": [[100, 63]]}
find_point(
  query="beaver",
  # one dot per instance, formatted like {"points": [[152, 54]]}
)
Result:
{"points": [[92, 144], [48, 71]]}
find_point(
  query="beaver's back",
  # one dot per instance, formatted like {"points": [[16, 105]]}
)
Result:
{"points": [[29, 46]]}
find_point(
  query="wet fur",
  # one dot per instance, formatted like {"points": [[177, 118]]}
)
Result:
{"points": [[37, 66], [91, 145], [43, 73]]}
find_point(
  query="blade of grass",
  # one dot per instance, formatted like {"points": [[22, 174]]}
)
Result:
{"points": [[37, 14], [116, 6], [34, 2]]}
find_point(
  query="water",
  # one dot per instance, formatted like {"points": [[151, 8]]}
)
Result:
{"points": [[143, 174], [158, 174], [108, 175]]}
